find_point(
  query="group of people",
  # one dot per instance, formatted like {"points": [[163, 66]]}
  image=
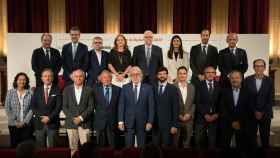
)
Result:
{"points": [[107, 94]]}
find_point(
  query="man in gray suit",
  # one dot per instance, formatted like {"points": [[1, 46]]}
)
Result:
{"points": [[78, 108], [187, 107]]}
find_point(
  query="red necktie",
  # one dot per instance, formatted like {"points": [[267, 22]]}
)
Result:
{"points": [[46, 95]]}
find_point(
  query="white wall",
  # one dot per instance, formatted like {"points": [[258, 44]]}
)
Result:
{"points": [[21, 45]]}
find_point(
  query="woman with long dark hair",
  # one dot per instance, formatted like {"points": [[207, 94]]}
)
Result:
{"points": [[176, 57]]}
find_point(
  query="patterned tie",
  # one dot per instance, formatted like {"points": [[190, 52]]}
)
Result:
{"points": [[46, 93]]}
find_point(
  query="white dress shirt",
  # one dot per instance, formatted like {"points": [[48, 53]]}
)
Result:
{"points": [[20, 98], [163, 86], [99, 56], [258, 84], [45, 51], [78, 93], [206, 47], [184, 91]]}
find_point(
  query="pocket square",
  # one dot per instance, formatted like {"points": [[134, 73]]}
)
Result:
{"points": [[53, 95]]}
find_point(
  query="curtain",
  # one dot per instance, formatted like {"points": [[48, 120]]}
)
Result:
{"points": [[28, 16], [136, 16], [248, 16], [88, 15], [191, 16]]}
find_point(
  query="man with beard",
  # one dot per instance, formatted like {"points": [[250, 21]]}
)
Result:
{"points": [[166, 110]]}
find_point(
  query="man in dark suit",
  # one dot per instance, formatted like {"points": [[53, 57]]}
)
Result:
{"points": [[106, 96], [46, 106], [202, 55], [166, 120], [234, 114], [261, 95], [46, 57], [207, 109], [98, 61], [78, 102], [148, 57], [74, 56], [231, 58], [136, 109]]}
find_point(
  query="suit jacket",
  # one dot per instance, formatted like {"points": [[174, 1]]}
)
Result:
{"points": [[142, 112], [167, 107], [261, 100], [72, 109], [156, 61], [207, 103], [198, 61], [228, 61], [51, 109], [40, 62], [94, 68], [229, 112], [188, 107], [12, 107], [81, 60], [105, 113]]}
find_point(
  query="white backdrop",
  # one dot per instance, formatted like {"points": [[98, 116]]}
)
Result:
{"points": [[21, 45]]}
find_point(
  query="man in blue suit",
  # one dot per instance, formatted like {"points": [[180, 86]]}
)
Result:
{"points": [[166, 110], [98, 61], [106, 98], [136, 109], [74, 56]]}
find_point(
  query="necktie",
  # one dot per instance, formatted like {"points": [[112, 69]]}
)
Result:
{"points": [[74, 50], [107, 94], [46, 93], [231, 51], [160, 90], [235, 96], [148, 56], [135, 93], [204, 50], [48, 53], [210, 84]]}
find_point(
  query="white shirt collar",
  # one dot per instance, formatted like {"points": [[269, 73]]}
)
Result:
{"points": [[146, 46], [204, 45], [182, 85], [78, 88], [162, 83], [49, 86], [138, 85]]}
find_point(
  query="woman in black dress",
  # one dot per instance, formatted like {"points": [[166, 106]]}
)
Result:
{"points": [[119, 61]]}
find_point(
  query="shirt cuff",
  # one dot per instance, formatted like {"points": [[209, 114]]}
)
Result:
{"points": [[121, 123], [81, 118]]}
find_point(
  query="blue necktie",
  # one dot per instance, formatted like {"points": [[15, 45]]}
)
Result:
{"points": [[107, 94], [160, 90]]}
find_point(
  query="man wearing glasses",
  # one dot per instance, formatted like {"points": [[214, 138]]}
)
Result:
{"points": [[98, 61], [261, 91], [148, 57], [207, 109]]}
